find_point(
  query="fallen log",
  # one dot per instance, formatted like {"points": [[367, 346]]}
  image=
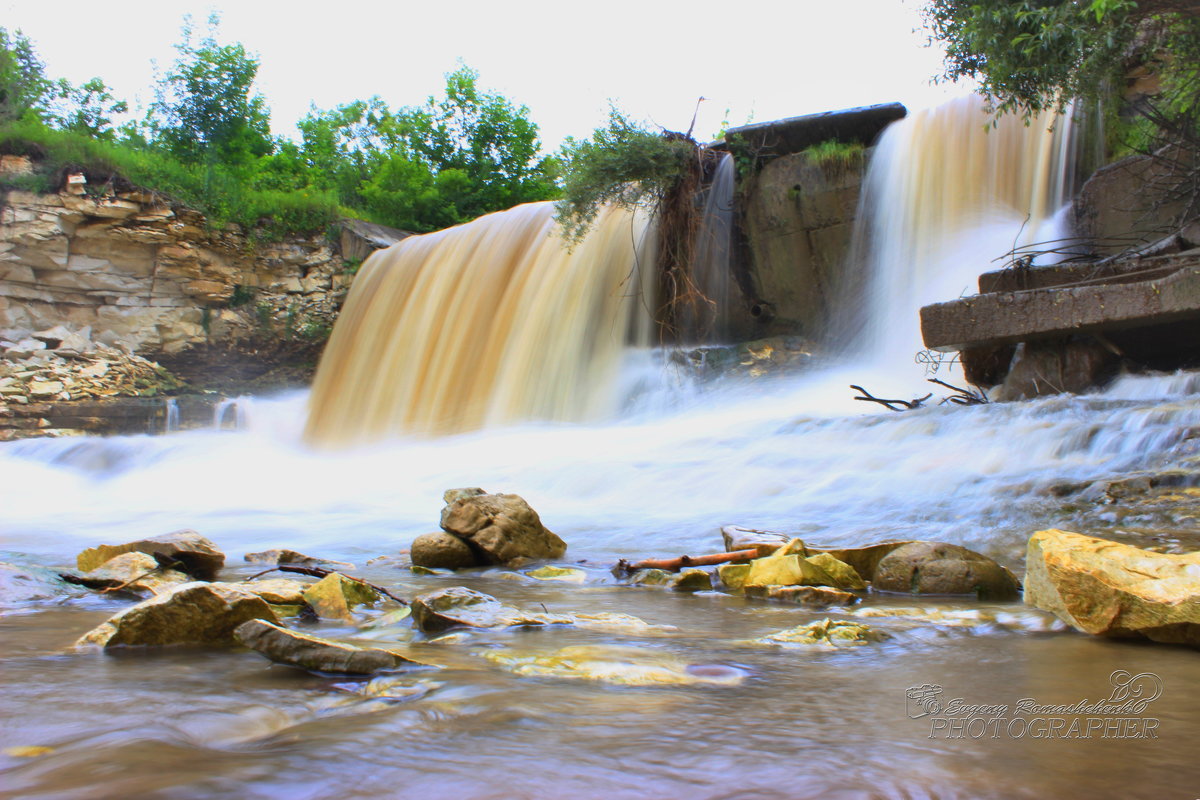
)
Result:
{"points": [[890, 405], [623, 567]]}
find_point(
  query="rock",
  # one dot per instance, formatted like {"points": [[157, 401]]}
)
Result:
{"points": [[624, 666], [500, 527], [458, 606], [128, 570], [335, 595], [938, 568], [786, 570], [807, 596], [563, 574], [191, 613], [198, 556], [766, 542], [651, 577], [441, 550], [865, 560], [692, 580], [22, 584], [295, 649], [450, 496], [278, 591], [834, 633], [1110, 589], [844, 576], [291, 557], [733, 576]]}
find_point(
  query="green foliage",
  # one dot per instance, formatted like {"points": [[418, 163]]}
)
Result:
{"points": [[24, 88], [242, 295], [1033, 54], [623, 163], [833, 153], [205, 109]]}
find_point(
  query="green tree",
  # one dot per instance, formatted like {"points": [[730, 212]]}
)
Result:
{"points": [[88, 109], [1030, 55], [24, 88], [206, 109]]}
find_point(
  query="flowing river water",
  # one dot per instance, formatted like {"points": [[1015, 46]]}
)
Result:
{"points": [[691, 702]]}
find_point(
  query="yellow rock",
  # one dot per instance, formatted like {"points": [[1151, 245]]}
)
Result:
{"points": [[278, 591], [786, 570], [28, 751], [794, 547], [1110, 589], [844, 576], [335, 595], [733, 576]]}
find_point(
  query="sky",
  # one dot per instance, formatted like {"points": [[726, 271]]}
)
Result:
{"points": [[752, 61]]}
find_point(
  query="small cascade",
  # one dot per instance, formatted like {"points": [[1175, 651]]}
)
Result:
{"points": [[706, 321], [171, 421], [489, 322], [947, 195], [232, 414]]}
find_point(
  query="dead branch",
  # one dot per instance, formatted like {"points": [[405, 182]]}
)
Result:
{"points": [[962, 397], [623, 567], [890, 405]]}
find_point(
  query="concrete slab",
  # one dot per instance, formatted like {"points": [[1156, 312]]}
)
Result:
{"points": [[1013, 316]]}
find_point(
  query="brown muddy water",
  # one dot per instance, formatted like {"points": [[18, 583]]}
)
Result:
{"points": [[731, 717]]}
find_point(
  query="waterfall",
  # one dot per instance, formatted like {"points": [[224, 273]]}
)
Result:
{"points": [[947, 195], [708, 320], [489, 322]]}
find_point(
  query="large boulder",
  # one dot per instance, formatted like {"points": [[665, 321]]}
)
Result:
{"points": [[194, 554], [296, 649], [1111, 589], [939, 568], [501, 528], [441, 550], [191, 613]]}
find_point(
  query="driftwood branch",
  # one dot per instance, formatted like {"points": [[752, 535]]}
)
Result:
{"points": [[890, 405], [962, 397], [675, 564], [319, 572]]}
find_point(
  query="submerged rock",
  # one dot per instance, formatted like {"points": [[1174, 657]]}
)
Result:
{"points": [[835, 633], [938, 568], [335, 596], [196, 555], [458, 606], [651, 577], [1110, 589], [623, 666], [441, 550], [191, 613], [563, 574], [20, 584], [501, 528], [296, 649]]}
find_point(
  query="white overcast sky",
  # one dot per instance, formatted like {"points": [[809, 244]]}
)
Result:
{"points": [[758, 60]]}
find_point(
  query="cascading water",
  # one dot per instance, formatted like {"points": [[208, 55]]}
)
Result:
{"points": [[947, 195], [706, 320], [445, 317], [489, 323]]}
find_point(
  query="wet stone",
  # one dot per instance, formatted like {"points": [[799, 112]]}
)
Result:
{"points": [[807, 596], [501, 528], [301, 650], [284, 556], [458, 606], [196, 555], [834, 633], [441, 550], [191, 613], [137, 573], [335, 596], [692, 580], [938, 568]]}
